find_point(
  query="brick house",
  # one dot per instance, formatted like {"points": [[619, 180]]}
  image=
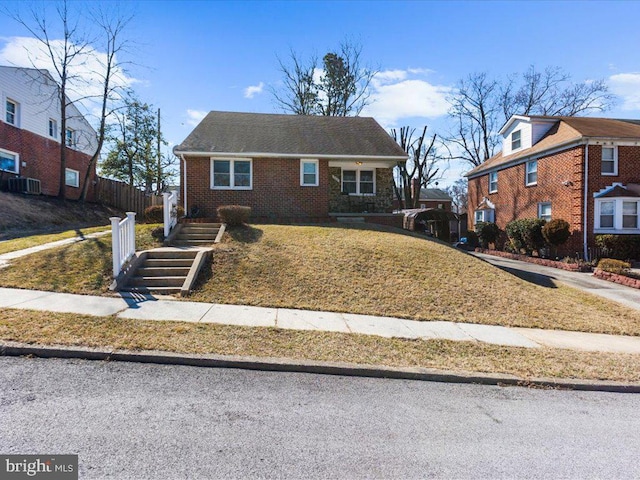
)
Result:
{"points": [[30, 135], [583, 170], [290, 168]]}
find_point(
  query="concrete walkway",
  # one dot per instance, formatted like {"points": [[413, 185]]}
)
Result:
{"points": [[5, 258], [541, 275], [150, 308]]}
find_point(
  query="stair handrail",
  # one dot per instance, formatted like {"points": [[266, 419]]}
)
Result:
{"points": [[123, 241], [170, 211]]}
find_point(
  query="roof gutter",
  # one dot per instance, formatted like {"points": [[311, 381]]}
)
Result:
{"points": [[289, 155]]}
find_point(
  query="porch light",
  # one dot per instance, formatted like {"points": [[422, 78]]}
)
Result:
{"points": [[358, 163]]}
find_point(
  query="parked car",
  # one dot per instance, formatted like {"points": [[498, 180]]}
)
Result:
{"points": [[463, 244]]}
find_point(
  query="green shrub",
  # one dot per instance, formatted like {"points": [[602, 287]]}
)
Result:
{"points": [[614, 266], [526, 234], [488, 232], [556, 232], [154, 213], [621, 247], [234, 215]]}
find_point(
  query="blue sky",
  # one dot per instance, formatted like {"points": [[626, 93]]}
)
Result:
{"points": [[192, 57]]}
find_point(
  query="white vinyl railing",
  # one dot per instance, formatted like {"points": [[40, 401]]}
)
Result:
{"points": [[123, 240], [170, 211]]}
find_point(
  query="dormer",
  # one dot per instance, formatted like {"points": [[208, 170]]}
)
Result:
{"points": [[522, 132]]}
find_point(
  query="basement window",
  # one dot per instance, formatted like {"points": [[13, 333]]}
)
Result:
{"points": [[9, 161], [71, 177]]}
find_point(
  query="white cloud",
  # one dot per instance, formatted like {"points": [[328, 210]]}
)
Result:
{"points": [[627, 87], [194, 117], [398, 94], [86, 71], [253, 90]]}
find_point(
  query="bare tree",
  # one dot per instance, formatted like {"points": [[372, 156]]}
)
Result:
{"points": [[482, 105], [458, 194], [423, 166], [338, 87]]}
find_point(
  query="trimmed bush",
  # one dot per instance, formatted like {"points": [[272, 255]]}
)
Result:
{"points": [[158, 233], [556, 232], [472, 239], [488, 232], [154, 213], [526, 234], [234, 215], [621, 247], [614, 266]]}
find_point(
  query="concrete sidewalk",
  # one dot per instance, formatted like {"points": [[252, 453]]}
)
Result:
{"points": [[149, 308], [627, 296]]}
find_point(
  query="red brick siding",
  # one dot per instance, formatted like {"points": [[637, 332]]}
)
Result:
{"points": [[276, 191], [516, 200], [42, 157]]}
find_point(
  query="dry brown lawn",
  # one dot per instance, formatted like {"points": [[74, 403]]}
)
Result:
{"points": [[380, 272], [45, 328]]}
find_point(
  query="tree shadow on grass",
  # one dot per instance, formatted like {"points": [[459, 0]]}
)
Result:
{"points": [[535, 278], [244, 233]]}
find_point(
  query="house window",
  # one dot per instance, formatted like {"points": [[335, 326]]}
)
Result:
{"points": [[484, 215], [516, 139], [630, 214], [53, 128], [532, 173], [358, 182], [607, 214], [493, 182], [544, 211], [70, 137], [11, 112], [231, 174], [609, 161], [309, 173], [8, 161], [71, 177]]}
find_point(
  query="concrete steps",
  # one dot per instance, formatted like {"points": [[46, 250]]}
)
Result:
{"points": [[195, 234]]}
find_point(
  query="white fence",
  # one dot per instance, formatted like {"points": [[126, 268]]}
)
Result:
{"points": [[123, 239], [170, 211]]}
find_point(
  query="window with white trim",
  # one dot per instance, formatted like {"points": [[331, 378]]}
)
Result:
{"points": [[9, 161], [231, 174], [609, 161], [53, 128], [516, 140], [309, 173], [484, 215], [70, 137], [493, 182], [544, 211], [71, 177], [11, 112], [359, 182], [532, 173], [617, 215]]}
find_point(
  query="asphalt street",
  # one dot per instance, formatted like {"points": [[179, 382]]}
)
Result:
{"points": [[138, 421]]}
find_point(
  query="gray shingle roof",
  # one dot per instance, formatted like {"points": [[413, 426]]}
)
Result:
{"points": [[434, 194], [231, 132]]}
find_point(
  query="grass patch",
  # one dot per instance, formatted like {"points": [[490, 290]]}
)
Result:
{"points": [[83, 267], [45, 328], [380, 272], [35, 240]]}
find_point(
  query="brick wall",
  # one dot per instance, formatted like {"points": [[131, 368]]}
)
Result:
{"points": [[276, 191], [42, 158], [516, 200]]}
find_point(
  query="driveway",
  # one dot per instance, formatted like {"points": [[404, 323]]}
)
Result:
{"points": [[541, 275]]}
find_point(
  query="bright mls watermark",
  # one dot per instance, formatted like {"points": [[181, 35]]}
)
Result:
{"points": [[50, 467]]}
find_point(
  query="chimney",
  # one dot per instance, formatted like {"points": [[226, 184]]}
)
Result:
{"points": [[415, 188]]}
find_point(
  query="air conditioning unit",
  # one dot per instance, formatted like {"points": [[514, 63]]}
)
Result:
{"points": [[25, 185]]}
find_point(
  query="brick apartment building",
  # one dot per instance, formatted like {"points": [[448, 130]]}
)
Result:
{"points": [[290, 168], [582, 170], [30, 135]]}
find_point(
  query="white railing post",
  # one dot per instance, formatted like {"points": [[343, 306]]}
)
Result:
{"points": [[169, 207], [131, 245], [115, 244]]}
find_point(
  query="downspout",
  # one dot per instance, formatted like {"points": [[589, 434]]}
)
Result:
{"points": [[184, 173], [586, 199]]}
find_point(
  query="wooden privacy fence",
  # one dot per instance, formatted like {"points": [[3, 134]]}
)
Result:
{"points": [[125, 197]]}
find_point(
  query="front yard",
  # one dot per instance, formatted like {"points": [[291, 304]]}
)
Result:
{"points": [[345, 269]]}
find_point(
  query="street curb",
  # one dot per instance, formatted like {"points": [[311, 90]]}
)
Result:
{"points": [[16, 349]]}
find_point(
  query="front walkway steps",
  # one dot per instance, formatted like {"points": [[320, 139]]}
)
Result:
{"points": [[172, 269]]}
